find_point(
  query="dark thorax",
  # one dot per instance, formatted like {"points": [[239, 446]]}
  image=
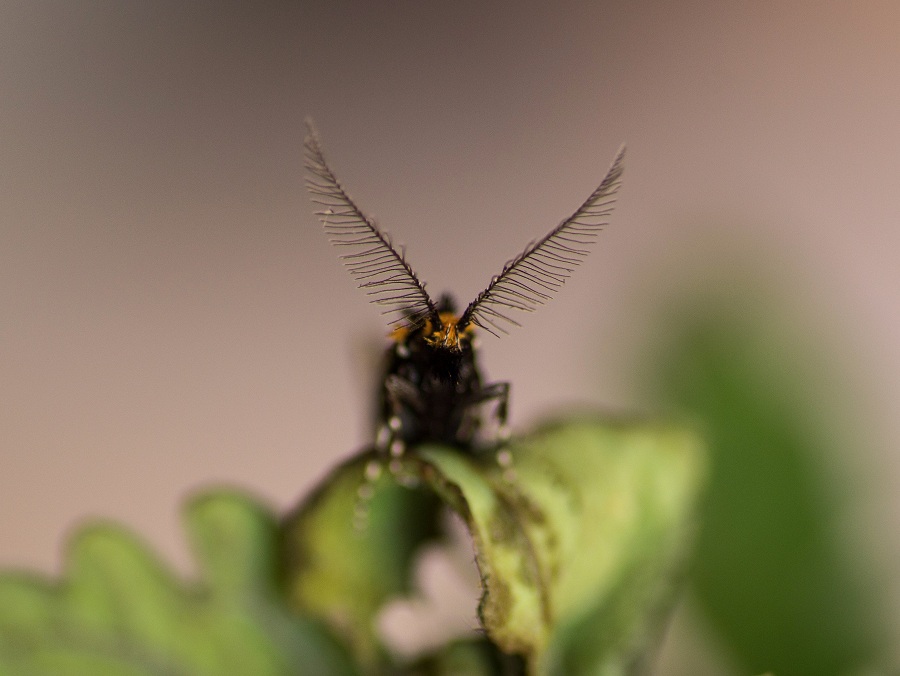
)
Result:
{"points": [[432, 388]]}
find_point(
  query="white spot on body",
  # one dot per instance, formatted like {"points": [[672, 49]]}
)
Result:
{"points": [[373, 470]]}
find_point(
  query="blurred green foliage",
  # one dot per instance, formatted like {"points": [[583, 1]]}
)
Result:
{"points": [[118, 611], [579, 554], [343, 573], [772, 574]]}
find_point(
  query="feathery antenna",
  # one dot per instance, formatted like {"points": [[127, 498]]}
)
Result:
{"points": [[530, 279], [379, 268]]}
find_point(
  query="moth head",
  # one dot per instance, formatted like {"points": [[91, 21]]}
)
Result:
{"points": [[447, 334], [444, 331]]}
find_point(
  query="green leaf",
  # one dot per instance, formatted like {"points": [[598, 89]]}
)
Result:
{"points": [[118, 610], [579, 547], [773, 574], [581, 550], [343, 573], [472, 657]]}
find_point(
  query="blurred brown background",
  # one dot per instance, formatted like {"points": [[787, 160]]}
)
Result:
{"points": [[172, 316]]}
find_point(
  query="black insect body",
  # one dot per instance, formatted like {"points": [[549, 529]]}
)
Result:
{"points": [[433, 390]]}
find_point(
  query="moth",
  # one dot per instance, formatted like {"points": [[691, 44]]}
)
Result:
{"points": [[433, 390]]}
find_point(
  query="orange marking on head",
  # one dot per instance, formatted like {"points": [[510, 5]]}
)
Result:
{"points": [[448, 335]]}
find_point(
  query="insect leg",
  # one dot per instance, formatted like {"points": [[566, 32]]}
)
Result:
{"points": [[402, 398], [399, 395], [500, 393]]}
